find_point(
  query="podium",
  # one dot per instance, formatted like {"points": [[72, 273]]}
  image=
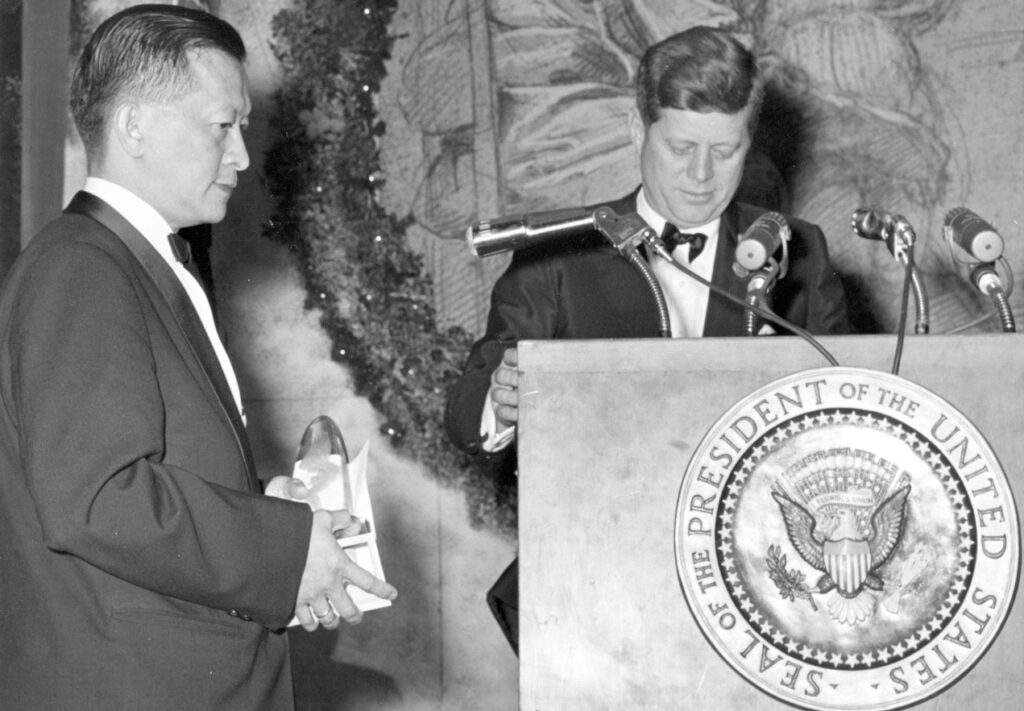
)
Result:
{"points": [[609, 619]]}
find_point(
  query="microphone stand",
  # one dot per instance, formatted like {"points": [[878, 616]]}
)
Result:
{"points": [[626, 234], [985, 278], [759, 284], [921, 299], [901, 245]]}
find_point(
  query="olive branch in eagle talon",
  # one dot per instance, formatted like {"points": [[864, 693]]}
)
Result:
{"points": [[789, 582]]}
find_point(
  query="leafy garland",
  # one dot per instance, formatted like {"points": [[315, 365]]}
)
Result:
{"points": [[375, 298]]}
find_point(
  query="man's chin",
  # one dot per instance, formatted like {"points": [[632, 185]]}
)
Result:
{"points": [[213, 215]]}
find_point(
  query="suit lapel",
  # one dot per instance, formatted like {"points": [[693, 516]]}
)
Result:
{"points": [[725, 318], [195, 345]]}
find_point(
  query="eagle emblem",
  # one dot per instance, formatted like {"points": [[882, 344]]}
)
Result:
{"points": [[845, 511]]}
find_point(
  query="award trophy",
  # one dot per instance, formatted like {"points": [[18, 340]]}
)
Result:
{"points": [[336, 483]]}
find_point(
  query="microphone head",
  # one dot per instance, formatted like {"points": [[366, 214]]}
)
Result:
{"points": [[871, 224], [973, 235], [761, 240], [499, 235], [515, 231]]}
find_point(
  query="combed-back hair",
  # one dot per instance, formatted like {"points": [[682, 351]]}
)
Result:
{"points": [[142, 52], [701, 69]]}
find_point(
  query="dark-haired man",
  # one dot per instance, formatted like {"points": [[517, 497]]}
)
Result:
{"points": [[699, 93], [141, 567]]}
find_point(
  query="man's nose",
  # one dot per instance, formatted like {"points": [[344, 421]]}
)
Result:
{"points": [[700, 167], [237, 156]]}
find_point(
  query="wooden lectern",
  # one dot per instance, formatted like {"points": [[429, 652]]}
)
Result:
{"points": [[607, 431]]}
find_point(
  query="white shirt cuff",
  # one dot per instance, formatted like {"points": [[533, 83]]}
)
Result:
{"points": [[494, 440]]}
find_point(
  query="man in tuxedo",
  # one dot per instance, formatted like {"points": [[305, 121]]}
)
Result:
{"points": [[141, 565], [699, 93]]}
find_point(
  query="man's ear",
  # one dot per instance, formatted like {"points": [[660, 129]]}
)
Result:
{"points": [[128, 128]]}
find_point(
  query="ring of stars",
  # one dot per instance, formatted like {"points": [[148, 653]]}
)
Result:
{"points": [[831, 657]]}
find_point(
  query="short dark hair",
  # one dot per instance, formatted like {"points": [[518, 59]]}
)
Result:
{"points": [[142, 52], [700, 69]]}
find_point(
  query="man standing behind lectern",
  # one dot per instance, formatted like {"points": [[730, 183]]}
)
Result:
{"points": [[698, 96], [141, 567]]}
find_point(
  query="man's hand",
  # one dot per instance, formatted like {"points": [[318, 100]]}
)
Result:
{"points": [[322, 599], [504, 390]]}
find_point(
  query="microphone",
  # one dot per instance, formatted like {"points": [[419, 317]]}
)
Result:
{"points": [[899, 237], [872, 224], [894, 230], [980, 240], [973, 235], [512, 232], [760, 241]]}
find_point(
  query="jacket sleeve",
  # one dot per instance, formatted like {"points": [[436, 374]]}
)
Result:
{"points": [[524, 305]]}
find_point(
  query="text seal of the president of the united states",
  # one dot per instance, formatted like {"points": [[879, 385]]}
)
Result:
{"points": [[846, 539]]}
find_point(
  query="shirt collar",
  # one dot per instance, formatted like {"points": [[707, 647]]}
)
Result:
{"points": [[139, 213]]}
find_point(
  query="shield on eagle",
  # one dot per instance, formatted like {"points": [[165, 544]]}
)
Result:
{"points": [[848, 562]]}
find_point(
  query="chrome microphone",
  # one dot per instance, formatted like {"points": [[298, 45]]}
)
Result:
{"points": [[899, 237], [760, 241], [982, 243], [894, 230], [872, 224], [973, 235], [515, 231]]}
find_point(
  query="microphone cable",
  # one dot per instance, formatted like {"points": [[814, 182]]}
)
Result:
{"points": [[901, 330], [762, 312], [896, 232]]}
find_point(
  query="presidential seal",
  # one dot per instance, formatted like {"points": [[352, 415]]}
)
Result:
{"points": [[846, 539]]}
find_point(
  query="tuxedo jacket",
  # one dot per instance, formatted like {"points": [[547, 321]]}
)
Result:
{"points": [[583, 288], [140, 565]]}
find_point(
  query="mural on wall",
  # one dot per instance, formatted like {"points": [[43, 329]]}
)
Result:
{"points": [[505, 107]]}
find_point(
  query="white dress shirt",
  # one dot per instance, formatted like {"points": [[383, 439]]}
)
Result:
{"points": [[155, 229], [685, 297]]}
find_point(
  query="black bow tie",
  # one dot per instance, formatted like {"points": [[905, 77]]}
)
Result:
{"points": [[180, 247], [672, 238], [183, 253]]}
